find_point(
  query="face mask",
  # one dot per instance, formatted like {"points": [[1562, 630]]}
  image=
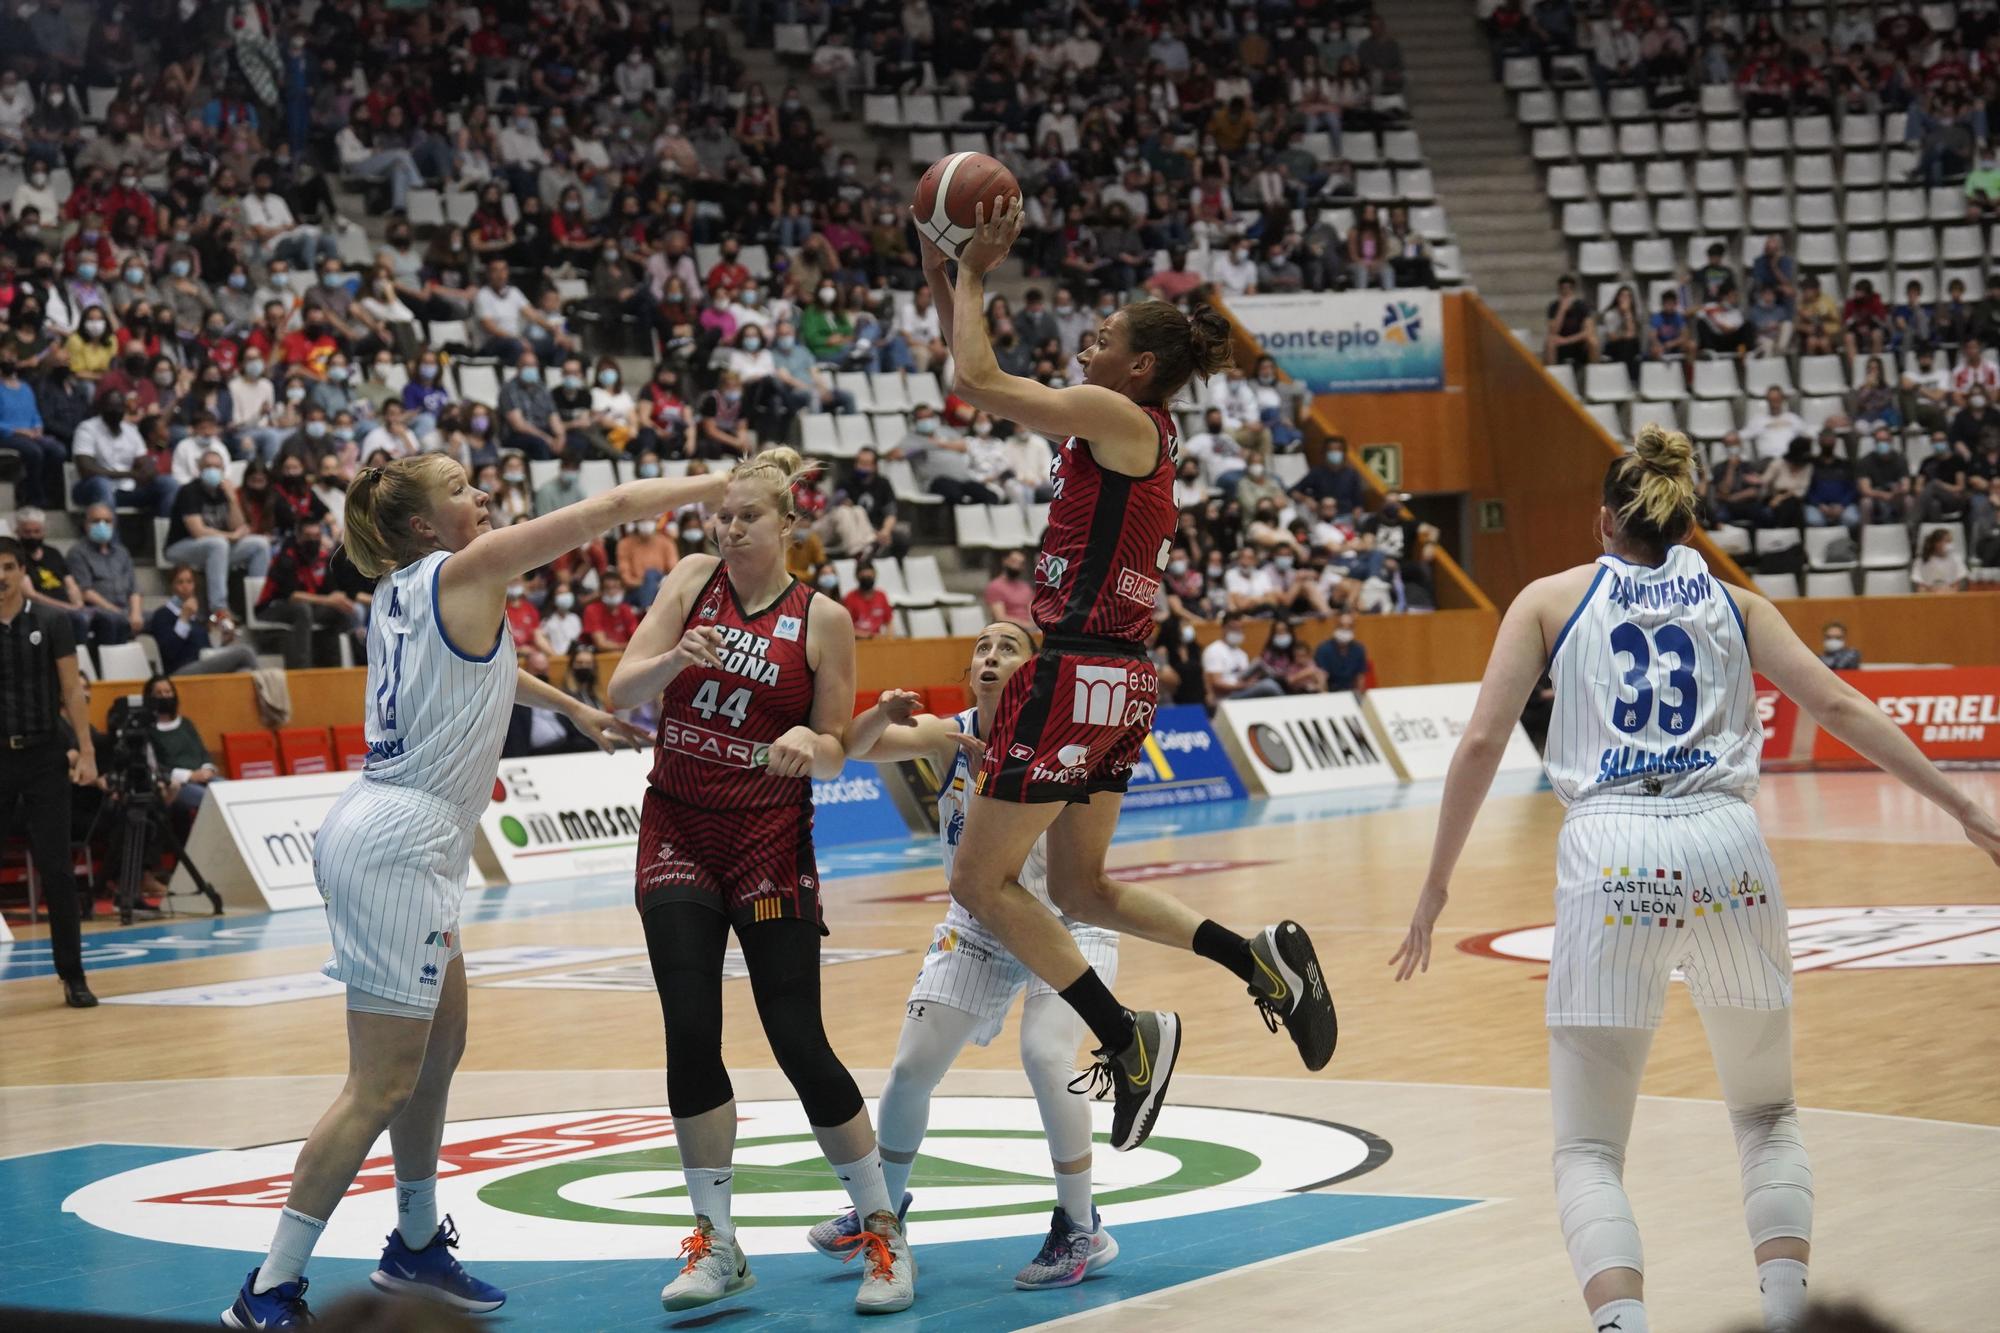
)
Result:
{"points": [[925, 426], [134, 276], [830, 582], [164, 378], [1978, 402], [343, 432], [866, 584], [982, 428], [1940, 447], [1187, 633], [531, 374], [614, 599], [565, 600], [1281, 641], [1283, 562], [281, 280], [295, 394], [93, 328], [826, 295], [1343, 636], [291, 481], [1833, 643], [1177, 567], [1233, 637], [211, 477], [315, 429], [566, 479], [752, 344], [1256, 471], [337, 374], [239, 281], [100, 532], [38, 180], [164, 705], [513, 478], [427, 372], [691, 536], [515, 592], [87, 272]]}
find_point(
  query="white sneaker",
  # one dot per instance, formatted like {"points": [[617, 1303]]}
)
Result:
{"points": [[716, 1267], [888, 1271]]}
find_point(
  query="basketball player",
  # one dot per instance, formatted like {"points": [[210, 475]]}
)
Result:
{"points": [[1064, 735], [754, 672], [968, 981], [390, 858], [1653, 747]]}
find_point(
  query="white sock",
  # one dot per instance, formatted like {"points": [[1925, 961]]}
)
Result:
{"points": [[1073, 1193], [708, 1187], [1783, 1285], [863, 1181], [290, 1248], [1620, 1317], [896, 1176], [417, 1210]]}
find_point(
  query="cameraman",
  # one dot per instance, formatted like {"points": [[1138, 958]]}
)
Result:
{"points": [[178, 750], [39, 686]]}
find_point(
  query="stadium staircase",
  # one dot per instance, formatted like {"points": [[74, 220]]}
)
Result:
{"points": [[1484, 177]]}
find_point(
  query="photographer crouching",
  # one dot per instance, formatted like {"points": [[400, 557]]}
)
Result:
{"points": [[39, 686]]}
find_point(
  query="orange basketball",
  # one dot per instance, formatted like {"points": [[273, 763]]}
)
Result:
{"points": [[951, 190]]}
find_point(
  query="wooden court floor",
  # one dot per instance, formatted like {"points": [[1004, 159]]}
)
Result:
{"points": [[1897, 1059]]}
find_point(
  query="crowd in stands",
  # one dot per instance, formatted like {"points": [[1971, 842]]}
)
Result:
{"points": [[1886, 407]]}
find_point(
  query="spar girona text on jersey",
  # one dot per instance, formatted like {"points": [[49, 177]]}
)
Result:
{"points": [[1098, 573], [717, 724]]}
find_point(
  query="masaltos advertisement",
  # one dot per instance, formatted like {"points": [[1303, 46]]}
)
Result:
{"points": [[1351, 342]]}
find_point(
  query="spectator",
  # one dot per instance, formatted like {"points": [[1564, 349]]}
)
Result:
{"points": [[1984, 484], [1621, 327], [722, 431], [1865, 321], [1883, 480], [646, 556], [1720, 325], [1253, 586], [1332, 478], [181, 628], [1834, 651], [1832, 497], [103, 574], [533, 730], [208, 530], [565, 488], [609, 622], [1938, 567], [1669, 334], [1009, 597], [47, 579], [1786, 482], [529, 413], [22, 432], [1941, 487], [394, 436], [1975, 374], [178, 749], [112, 461], [1257, 486], [1874, 399], [1286, 660], [1771, 323], [1227, 669], [1773, 427], [300, 593], [1343, 658], [1713, 278], [1571, 336], [876, 499], [873, 616], [524, 621], [1819, 320]]}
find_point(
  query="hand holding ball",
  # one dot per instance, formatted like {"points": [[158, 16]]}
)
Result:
{"points": [[960, 193]]}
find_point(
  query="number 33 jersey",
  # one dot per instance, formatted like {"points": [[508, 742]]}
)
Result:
{"points": [[1653, 692], [717, 723]]}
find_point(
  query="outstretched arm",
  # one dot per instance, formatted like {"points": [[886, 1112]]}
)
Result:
{"points": [[1518, 658], [494, 558], [1843, 710], [880, 736]]}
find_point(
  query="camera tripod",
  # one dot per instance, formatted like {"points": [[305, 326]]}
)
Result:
{"points": [[142, 811]]}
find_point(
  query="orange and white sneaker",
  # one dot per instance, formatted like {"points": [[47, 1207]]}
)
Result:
{"points": [[888, 1270], [715, 1268]]}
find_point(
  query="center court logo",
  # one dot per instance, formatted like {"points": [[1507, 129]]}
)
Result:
{"points": [[598, 1185], [1823, 939]]}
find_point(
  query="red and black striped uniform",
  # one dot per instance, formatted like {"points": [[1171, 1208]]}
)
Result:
{"points": [[1074, 724], [717, 828]]}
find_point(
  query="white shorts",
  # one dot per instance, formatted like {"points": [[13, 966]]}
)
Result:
{"points": [[391, 864], [971, 971], [1641, 894]]}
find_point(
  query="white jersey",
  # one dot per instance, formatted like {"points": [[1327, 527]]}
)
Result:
{"points": [[437, 714], [953, 792], [1653, 693]]}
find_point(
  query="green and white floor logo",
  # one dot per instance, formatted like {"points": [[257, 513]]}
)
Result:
{"points": [[584, 1185]]}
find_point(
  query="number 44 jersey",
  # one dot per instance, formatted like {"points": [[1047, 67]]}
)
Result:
{"points": [[1653, 692], [717, 723]]}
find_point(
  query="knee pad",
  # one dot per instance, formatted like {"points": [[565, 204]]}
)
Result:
{"points": [[1777, 1177], [1597, 1221]]}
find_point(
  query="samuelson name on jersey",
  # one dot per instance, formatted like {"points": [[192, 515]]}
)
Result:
{"points": [[1630, 591]]}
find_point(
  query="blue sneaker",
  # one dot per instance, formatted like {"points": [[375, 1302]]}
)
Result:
{"points": [[283, 1306], [834, 1237], [1068, 1254], [432, 1274]]}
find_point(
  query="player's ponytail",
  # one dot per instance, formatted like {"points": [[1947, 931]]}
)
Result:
{"points": [[380, 503], [1183, 346], [1652, 489], [781, 467]]}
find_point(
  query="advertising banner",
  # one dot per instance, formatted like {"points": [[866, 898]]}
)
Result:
{"points": [[1182, 763], [1780, 717], [1952, 713], [1351, 342], [1421, 725], [1303, 743], [253, 839]]}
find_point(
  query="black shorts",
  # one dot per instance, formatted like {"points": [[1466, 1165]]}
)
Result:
{"points": [[752, 864], [1071, 724]]}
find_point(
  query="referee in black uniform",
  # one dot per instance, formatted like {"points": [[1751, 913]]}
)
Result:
{"points": [[39, 682]]}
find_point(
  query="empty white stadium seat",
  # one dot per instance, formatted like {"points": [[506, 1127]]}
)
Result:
{"points": [[1607, 382], [1716, 379], [1885, 582], [1885, 546]]}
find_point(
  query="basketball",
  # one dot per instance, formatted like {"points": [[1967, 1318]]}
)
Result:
{"points": [[952, 189]]}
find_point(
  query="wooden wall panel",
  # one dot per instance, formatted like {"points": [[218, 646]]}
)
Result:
{"points": [[1962, 629]]}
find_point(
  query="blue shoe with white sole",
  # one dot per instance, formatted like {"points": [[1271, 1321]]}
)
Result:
{"points": [[1068, 1254], [434, 1274], [283, 1306]]}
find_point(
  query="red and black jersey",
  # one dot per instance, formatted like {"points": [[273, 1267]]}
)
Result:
{"points": [[717, 725], [1098, 573]]}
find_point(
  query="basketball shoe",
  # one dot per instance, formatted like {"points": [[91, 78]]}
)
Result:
{"points": [[715, 1267], [1068, 1254], [433, 1274], [834, 1237], [888, 1270], [1290, 989], [1136, 1077], [283, 1306]]}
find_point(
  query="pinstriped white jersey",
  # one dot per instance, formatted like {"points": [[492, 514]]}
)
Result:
{"points": [[1653, 693], [953, 793], [437, 714]]}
